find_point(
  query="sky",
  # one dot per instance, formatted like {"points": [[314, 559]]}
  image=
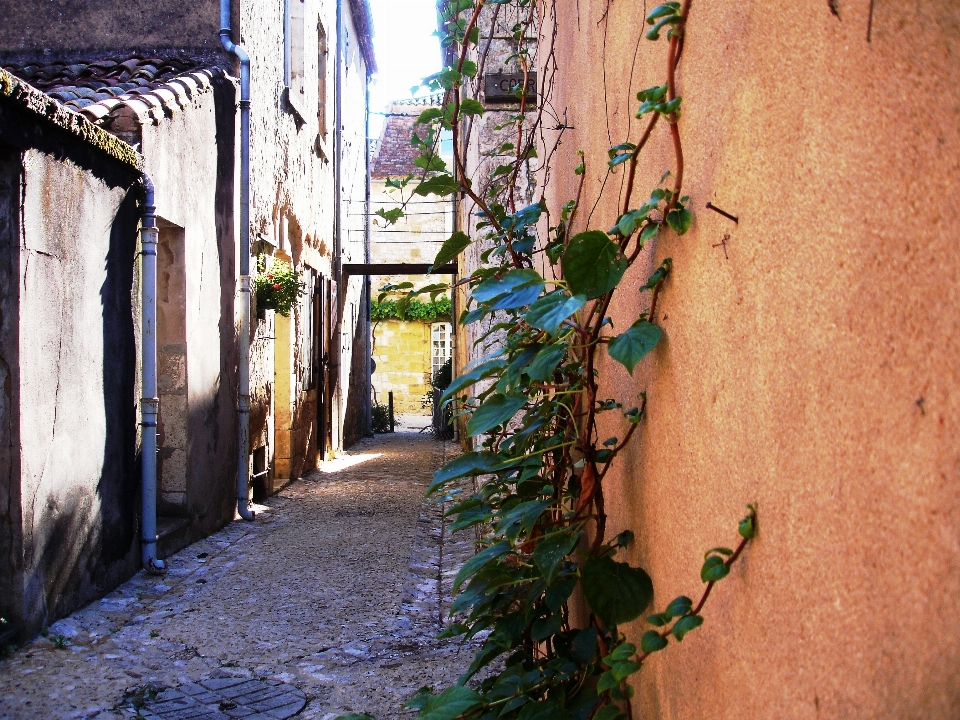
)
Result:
{"points": [[406, 51]]}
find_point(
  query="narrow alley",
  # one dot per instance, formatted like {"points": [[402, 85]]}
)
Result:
{"points": [[328, 603]]}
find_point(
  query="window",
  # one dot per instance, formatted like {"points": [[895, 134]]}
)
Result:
{"points": [[441, 345], [322, 80], [293, 50]]}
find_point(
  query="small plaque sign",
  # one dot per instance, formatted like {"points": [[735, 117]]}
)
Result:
{"points": [[502, 87]]}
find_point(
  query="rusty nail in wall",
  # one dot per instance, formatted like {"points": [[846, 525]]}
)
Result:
{"points": [[711, 206]]}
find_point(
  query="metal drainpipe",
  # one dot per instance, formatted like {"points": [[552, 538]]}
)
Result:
{"points": [[243, 388], [368, 330], [149, 402], [337, 227]]}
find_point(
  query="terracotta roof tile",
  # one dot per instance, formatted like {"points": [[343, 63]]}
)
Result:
{"points": [[73, 83], [395, 157], [142, 89]]}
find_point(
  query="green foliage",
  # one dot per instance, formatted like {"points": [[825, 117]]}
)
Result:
{"points": [[278, 288], [428, 312], [381, 418], [636, 343], [452, 247], [532, 407]]}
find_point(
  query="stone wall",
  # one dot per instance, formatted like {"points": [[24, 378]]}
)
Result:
{"points": [[402, 353], [809, 361]]}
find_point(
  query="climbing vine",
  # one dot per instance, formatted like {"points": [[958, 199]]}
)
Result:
{"points": [[545, 591]]}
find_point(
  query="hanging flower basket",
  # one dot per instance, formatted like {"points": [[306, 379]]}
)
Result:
{"points": [[278, 288]]}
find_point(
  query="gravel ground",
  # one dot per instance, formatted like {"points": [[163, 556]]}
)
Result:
{"points": [[338, 589]]}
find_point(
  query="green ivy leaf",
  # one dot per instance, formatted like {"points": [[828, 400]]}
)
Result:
{"points": [[679, 220], [652, 641], [461, 382], [714, 569], [616, 592], [659, 275], [483, 557], [494, 411], [515, 289], [453, 702], [558, 593], [685, 625], [470, 463], [552, 549], [429, 115], [544, 711], [632, 346], [606, 682], [451, 248], [469, 68], [748, 527], [438, 185], [620, 652], [680, 606], [649, 231], [608, 712], [654, 32], [469, 106], [552, 309], [624, 669], [660, 619], [669, 8], [546, 362], [546, 627], [391, 215], [592, 264], [718, 551]]}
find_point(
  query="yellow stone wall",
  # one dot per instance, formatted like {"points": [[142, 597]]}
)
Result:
{"points": [[402, 353]]}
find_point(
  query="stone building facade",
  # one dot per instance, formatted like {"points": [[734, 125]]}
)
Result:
{"points": [[153, 75]]}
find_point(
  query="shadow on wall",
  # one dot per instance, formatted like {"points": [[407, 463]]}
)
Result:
{"points": [[88, 544]]}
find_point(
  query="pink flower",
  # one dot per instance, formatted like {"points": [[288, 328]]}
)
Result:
{"points": [[270, 276], [276, 287]]}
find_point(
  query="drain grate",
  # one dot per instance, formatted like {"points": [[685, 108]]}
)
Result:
{"points": [[225, 699]]}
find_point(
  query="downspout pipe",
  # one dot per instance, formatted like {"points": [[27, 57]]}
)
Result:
{"points": [[368, 330], [149, 402], [243, 386]]}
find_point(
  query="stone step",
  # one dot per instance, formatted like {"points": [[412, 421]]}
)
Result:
{"points": [[173, 535]]}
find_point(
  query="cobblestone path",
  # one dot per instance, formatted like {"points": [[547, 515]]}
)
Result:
{"points": [[329, 601]]}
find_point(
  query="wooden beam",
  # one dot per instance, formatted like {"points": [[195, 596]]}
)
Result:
{"points": [[397, 269]]}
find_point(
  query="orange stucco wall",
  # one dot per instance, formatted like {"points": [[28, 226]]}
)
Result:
{"points": [[813, 369]]}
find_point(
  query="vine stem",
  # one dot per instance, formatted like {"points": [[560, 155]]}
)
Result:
{"points": [[672, 59], [633, 161], [706, 592]]}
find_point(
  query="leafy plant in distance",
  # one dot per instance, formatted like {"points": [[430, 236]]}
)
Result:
{"points": [[534, 416], [439, 309]]}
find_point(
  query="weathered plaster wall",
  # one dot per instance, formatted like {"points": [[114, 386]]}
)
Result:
{"points": [[810, 365], [64, 25], [190, 157], [77, 366], [402, 353]]}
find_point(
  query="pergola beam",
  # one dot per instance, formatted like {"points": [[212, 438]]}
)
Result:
{"points": [[397, 269]]}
